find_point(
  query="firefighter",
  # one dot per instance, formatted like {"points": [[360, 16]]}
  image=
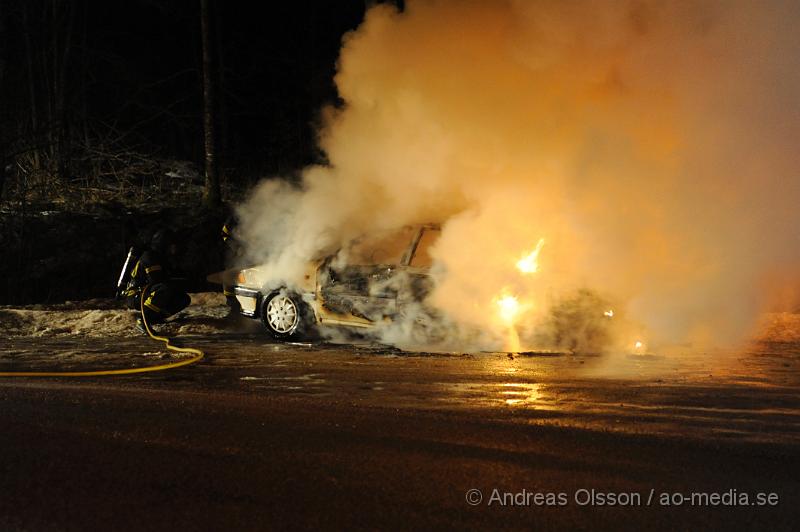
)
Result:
{"points": [[233, 248], [164, 296], [228, 237]]}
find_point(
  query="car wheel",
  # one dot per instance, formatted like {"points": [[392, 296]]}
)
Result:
{"points": [[284, 314]]}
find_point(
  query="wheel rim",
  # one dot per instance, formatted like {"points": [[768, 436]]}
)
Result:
{"points": [[282, 314]]}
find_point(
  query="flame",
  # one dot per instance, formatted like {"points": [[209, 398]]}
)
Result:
{"points": [[609, 313], [509, 308], [513, 345], [530, 262], [638, 345]]}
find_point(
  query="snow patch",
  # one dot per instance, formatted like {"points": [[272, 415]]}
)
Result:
{"points": [[94, 319]]}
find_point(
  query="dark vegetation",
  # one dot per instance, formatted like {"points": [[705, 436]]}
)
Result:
{"points": [[104, 122], [63, 255]]}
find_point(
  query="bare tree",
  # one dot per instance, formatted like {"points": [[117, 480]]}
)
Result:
{"points": [[30, 64], [63, 18], [211, 195], [3, 98]]}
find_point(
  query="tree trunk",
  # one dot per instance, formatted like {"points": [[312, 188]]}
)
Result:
{"points": [[211, 195], [223, 140], [61, 61], [4, 114], [31, 71]]}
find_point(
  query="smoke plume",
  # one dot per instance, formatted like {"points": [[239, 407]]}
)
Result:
{"points": [[652, 145]]}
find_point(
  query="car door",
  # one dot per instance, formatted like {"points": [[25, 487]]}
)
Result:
{"points": [[418, 264]]}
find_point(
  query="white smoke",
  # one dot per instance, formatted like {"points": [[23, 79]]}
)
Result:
{"points": [[651, 144]]}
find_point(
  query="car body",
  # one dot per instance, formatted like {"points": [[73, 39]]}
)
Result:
{"points": [[370, 280]]}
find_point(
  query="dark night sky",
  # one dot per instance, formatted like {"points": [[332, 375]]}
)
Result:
{"points": [[136, 64]]}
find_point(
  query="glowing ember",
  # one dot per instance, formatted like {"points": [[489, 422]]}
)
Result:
{"points": [[609, 313], [530, 262]]}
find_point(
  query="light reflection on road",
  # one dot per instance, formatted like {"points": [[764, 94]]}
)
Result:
{"points": [[752, 395]]}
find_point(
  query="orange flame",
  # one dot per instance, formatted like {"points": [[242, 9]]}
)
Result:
{"points": [[509, 308], [530, 262]]}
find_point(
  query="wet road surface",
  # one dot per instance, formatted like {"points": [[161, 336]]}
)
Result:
{"points": [[261, 435]]}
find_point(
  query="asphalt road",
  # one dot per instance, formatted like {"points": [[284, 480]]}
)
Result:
{"points": [[273, 436]]}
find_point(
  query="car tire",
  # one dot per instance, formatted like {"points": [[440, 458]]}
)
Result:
{"points": [[285, 315]]}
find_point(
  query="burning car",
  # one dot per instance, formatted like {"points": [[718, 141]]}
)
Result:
{"points": [[370, 280]]}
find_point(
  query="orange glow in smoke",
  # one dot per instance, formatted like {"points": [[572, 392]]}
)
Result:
{"points": [[509, 308], [530, 262]]}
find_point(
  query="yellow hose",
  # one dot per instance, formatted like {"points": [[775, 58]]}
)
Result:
{"points": [[197, 352]]}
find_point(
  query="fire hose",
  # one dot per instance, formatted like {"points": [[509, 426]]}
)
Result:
{"points": [[198, 355]]}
